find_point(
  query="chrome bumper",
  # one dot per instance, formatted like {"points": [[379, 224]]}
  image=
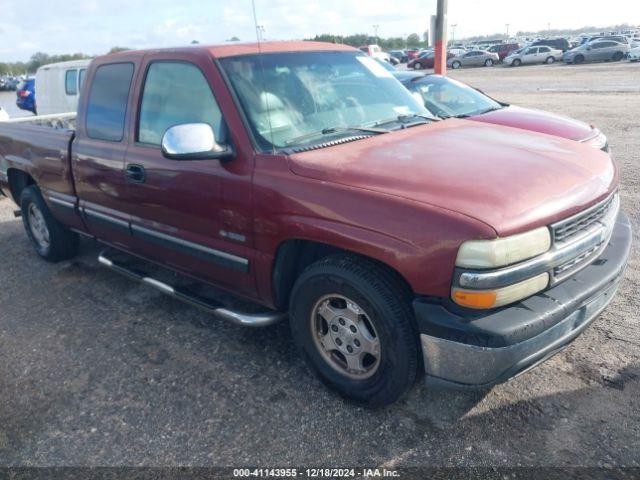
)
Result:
{"points": [[485, 349]]}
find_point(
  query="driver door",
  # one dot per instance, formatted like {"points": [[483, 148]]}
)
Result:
{"points": [[192, 215]]}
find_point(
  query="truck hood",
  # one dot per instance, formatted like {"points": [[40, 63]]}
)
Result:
{"points": [[508, 178], [539, 121]]}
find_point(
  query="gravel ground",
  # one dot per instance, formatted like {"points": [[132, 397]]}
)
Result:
{"points": [[97, 370]]}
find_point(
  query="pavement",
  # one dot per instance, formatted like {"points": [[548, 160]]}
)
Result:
{"points": [[97, 370]]}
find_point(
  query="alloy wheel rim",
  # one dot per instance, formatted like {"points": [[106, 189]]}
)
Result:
{"points": [[38, 227], [345, 336]]}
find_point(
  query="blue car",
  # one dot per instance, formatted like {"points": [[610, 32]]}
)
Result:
{"points": [[26, 94]]}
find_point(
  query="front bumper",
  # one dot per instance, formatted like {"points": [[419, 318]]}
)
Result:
{"points": [[468, 348]]}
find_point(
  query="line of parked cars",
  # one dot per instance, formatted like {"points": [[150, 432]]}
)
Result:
{"points": [[9, 83]]}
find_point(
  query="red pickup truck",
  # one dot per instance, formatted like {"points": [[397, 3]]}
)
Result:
{"points": [[304, 178]]}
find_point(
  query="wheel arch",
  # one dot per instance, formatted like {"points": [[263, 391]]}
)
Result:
{"points": [[18, 180], [293, 256]]}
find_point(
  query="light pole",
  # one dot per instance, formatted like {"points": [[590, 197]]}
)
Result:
{"points": [[507, 25], [549, 29], [260, 32], [453, 32], [375, 29]]}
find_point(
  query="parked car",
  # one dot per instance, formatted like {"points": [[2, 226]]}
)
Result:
{"points": [[412, 53], [614, 38], [533, 55], [376, 52], [457, 51], [26, 95], [59, 86], [399, 55], [447, 98], [396, 244], [426, 60], [474, 58], [504, 50], [634, 54], [561, 44], [597, 51]]}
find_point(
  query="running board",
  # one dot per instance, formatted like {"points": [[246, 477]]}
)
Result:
{"points": [[261, 319]]}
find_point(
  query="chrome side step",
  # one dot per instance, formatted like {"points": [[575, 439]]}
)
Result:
{"points": [[261, 319]]}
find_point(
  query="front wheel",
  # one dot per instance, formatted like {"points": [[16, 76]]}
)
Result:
{"points": [[618, 56], [51, 239], [417, 66], [578, 59], [488, 63], [517, 62], [456, 65], [550, 60], [353, 322]]}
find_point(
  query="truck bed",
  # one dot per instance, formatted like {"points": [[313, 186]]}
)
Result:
{"points": [[40, 147]]}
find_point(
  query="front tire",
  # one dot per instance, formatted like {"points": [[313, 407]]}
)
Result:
{"points": [[550, 60], [488, 63], [618, 56], [417, 66], [456, 65], [517, 62], [578, 59], [352, 320], [52, 241]]}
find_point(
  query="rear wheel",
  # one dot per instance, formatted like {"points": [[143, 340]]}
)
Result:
{"points": [[456, 65], [618, 56], [550, 60], [417, 66], [354, 324], [488, 63], [50, 238], [517, 62]]}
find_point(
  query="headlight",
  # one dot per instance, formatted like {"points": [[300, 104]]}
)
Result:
{"points": [[503, 251], [599, 141], [500, 296]]}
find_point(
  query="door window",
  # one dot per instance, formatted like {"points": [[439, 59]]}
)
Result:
{"points": [[107, 105], [176, 93]]}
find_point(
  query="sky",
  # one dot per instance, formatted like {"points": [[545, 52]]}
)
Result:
{"points": [[93, 27]]}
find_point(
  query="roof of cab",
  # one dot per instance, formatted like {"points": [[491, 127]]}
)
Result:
{"points": [[239, 48]]}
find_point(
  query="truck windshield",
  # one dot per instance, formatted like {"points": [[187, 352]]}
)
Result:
{"points": [[287, 96]]}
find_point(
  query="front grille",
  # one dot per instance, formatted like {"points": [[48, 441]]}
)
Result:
{"points": [[564, 231], [565, 267]]}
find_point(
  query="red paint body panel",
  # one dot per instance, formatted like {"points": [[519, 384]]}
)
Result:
{"points": [[510, 179], [539, 121], [407, 198]]}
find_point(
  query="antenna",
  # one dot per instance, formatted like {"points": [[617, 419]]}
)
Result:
{"points": [[259, 34]]}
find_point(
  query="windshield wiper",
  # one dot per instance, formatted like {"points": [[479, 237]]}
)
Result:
{"points": [[331, 130], [481, 112], [406, 118]]}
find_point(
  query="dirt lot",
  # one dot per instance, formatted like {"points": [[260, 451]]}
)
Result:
{"points": [[96, 370]]}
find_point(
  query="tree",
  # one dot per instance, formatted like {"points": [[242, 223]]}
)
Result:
{"points": [[233, 39], [413, 40], [118, 49]]}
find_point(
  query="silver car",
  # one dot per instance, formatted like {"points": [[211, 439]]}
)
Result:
{"points": [[597, 51], [474, 58], [533, 55]]}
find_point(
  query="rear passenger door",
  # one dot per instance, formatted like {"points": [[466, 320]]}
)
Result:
{"points": [[193, 215], [98, 151]]}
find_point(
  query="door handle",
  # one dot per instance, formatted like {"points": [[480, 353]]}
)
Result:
{"points": [[135, 173]]}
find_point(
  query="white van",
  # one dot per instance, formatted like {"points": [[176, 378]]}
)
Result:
{"points": [[58, 86]]}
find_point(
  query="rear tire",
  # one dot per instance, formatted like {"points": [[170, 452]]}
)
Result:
{"points": [[488, 63], [550, 60], [517, 62], [417, 66], [618, 56], [353, 322], [50, 238], [456, 65]]}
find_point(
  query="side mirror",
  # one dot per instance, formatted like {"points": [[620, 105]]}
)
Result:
{"points": [[194, 141]]}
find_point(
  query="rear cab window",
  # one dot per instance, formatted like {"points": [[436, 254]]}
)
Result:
{"points": [[107, 104]]}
